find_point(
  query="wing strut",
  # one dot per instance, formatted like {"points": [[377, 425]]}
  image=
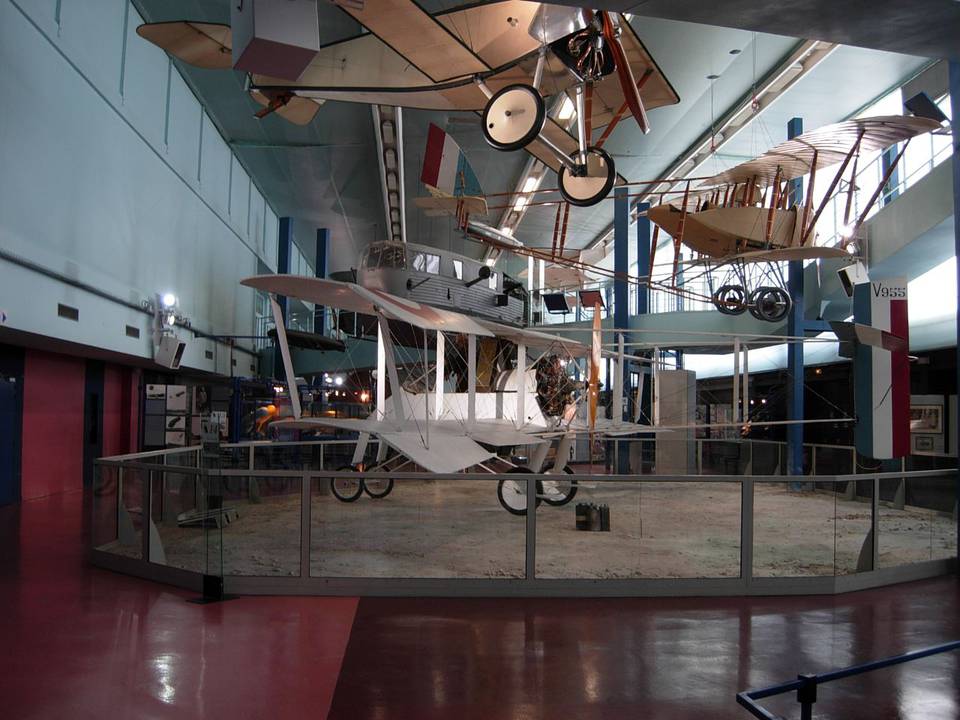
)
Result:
{"points": [[285, 354]]}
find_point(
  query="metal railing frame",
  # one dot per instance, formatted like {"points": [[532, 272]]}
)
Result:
{"points": [[806, 685], [746, 583]]}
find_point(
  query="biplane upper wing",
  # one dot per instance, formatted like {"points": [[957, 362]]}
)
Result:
{"points": [[205, 45], [824, 147], [414, 59], [347, 296], [535, 339]]}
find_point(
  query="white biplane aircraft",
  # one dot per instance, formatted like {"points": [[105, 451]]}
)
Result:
{"points": [[497, 59], [446, 432]]}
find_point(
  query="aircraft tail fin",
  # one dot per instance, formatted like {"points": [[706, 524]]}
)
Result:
{"points": [[880, 339], [446, 171]]}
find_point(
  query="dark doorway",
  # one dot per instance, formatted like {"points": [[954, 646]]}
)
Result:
{"points": [[10, 430], [92, 419]]}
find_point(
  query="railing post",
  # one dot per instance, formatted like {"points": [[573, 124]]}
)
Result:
{"points": [[531, 527], [305, 525], [807, 695], [746, 532], [146, 511]]}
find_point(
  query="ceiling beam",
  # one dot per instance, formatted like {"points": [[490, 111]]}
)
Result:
{"points": [[388, 129]]}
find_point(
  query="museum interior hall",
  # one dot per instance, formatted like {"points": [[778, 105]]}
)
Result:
{"points": [[392, 360]]}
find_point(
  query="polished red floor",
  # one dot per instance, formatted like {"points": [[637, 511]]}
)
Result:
{"points": [[76, 642]]}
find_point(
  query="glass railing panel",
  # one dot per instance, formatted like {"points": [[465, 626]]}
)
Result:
{"points": [[257, 523], [655, 530], [793, 529], [104, 530], [830, 460], [853, 538], [178, 540], [724, 457], [916, 520], [765, 458], [119, 517], [431, 528]]}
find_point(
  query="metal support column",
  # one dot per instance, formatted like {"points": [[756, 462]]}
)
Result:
{"points": [[284, 249], [795, 328], [320, 270], [643, 257], [621, 298], [955, 114], [890, 191]]}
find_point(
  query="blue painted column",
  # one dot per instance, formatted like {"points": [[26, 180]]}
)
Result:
{"points": [[955, 119], [284, 248], [795, 328], [320, 270], [888, 158], [643, 257]]}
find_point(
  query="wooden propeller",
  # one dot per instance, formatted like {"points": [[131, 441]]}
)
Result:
{"points": [[631, 93]]}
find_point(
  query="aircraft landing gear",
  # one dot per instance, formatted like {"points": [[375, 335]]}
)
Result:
{"points": [[512, 494], [561, 491], [729, 300], [590, 181], [769, 303], [513, 117], [347, 489]]}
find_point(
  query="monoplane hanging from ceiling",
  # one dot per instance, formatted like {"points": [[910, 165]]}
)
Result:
{"points": [[500, 60]]}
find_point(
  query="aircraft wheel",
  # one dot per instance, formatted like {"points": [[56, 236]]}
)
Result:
{"points": [[593, 184], [729, 299], [378, 488], [346, 489], [769, 303], [512, 494], [513, 117], [559, 492]]}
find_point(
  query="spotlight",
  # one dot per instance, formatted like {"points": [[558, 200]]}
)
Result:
{"points": [[338, 380], [168, 300], [364, 396], [847, 231], [278, 389], [170, 319]]}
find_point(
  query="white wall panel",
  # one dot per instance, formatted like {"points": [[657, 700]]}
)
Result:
{"points": [[82, 194], [239, 197], [183, 130], [144, 84], [215, 168], [91, 34]]}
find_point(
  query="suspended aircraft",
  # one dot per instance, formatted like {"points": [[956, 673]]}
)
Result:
{"points": [[497, 59], [442, 431], [744, 222]]}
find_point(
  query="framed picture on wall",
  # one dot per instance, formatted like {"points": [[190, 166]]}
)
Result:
{"points": [[926, 419], [923, 443]]}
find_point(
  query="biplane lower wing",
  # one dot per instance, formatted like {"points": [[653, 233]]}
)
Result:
{"points": [[500, 433], [441, 448]]}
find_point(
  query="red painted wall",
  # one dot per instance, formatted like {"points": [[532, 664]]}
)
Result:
{"points": [[52, 459], [121, 405]]}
